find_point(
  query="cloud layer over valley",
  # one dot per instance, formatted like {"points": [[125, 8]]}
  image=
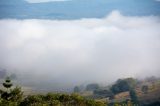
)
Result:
{"points": [[70, 52]]}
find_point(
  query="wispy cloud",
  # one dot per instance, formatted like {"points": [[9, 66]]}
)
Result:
{"points": [[78, 51]]}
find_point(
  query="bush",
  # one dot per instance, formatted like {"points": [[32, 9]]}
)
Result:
{"points": [[58, 100]]}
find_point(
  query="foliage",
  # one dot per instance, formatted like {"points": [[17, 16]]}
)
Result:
{"points": [[145, 89], [92, 87], [7, 84], [125, 103], [103, 93], [133, 95], [76, 89], [59, 100], [14, 97], [123, 85], [10, 97]]}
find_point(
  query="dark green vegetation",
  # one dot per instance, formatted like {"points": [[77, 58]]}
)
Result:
{"points": [[76, 89], [123, 85], [14, 97], [92, 87], [133, 96], [145, 89], [10, 96], [125, 92], [59, 100]]}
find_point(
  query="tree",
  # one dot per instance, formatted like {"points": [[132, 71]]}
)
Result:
{"points": [[32, 100], [144, 89], [133, 95], [123, 85], [59, 100], [92, 87], [77, 100], [103, 93], [7, 84], [10, 97], [16, 94], [76, 89]]}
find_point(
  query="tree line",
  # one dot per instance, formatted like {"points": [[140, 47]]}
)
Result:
{"points": [[13, 96]]}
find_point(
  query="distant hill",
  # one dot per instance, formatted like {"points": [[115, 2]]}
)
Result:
{"points": [[12, 2], [76, 9]]}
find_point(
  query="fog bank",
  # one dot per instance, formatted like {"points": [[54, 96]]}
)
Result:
{"points": [[70, 52]]}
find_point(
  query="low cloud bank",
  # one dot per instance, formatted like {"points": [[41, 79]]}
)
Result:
{"points": [[70, 52]]}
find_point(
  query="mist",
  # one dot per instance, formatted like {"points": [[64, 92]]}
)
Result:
{"points": [[64, 53]]}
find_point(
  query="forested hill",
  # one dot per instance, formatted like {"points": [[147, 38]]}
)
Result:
{"points": [[76, 9]]}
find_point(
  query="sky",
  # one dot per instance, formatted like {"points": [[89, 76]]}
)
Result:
{"points": [[65, 52], [40, 1]]}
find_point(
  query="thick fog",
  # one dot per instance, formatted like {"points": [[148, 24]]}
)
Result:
{"points": [[64, 53]]}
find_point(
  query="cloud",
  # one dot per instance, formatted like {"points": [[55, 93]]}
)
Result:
{"points": [[69, 52], [41, 1]]}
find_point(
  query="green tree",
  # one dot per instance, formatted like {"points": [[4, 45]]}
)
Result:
{"points": [[92, 87], [133, 95], [103, 93], [16, 94], [76, 89], [123, 85], [7, 84], [10, 96], [144, 89], [77, 100], [5, 94], [32, 100]]}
